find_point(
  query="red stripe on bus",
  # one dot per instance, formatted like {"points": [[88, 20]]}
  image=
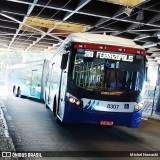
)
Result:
{"points": [[111, 48]]}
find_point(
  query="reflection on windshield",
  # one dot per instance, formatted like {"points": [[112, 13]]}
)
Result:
{"points": [[103, 75]]}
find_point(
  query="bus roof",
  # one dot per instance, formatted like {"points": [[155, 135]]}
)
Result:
{"points": [[23, 65], [101, 39]]}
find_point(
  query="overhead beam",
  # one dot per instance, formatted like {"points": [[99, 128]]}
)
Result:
{"points": [[126, 2], [19, 1], [5, 15], [20, 9], [138, 5], [8, 24], [118, 19], [106, 19], [81, 4], [7, 30], [50, 47], [142, 36], [154, 19], [150, 39], [115, 17], [151, 45], [22, 23], [47, 24], [131, 27]]}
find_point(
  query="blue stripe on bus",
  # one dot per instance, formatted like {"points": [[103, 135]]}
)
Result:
{"points": [[27, 92]]}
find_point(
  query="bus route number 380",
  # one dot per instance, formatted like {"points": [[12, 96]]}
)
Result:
{"points": [[112, 106]]}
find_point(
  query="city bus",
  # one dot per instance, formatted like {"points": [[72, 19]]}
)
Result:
{"points": [[25, 80], [78, 88]]}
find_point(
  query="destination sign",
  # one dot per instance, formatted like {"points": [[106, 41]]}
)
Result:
{"points": [[107, 55]]}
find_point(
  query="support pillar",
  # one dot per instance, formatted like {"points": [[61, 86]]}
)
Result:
{"points": [[158, 84], [24, 57]]}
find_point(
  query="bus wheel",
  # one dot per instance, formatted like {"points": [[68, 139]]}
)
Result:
{"points": [[14, 90], [56, 116], [54, 106], [58, 121], [18, 92], [45, 103]]}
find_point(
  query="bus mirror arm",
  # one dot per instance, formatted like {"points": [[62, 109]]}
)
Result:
{"points": [[64, 61], [146, 74]]}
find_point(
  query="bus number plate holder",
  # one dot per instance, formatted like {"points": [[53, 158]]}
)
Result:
{"points": [[106, 123]]}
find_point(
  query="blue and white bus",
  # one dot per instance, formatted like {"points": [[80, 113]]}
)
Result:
{"points": [[26, 79], [78, 88]]}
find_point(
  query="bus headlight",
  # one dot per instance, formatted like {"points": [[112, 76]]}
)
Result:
{"points": [[71, 99], [139, 106], [78, 103], [74, 100]]}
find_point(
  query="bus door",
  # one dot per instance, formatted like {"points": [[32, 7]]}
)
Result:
{"points": [[62, 86], [33, 82], [51, 83]]}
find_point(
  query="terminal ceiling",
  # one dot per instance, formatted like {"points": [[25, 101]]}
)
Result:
{"points": [[41, 25]]}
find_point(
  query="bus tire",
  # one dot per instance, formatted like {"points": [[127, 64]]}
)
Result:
{"points": [[45, 103], [54, 106], [46, 106], [18, 92], [14, 90], [58, 121], [55, 111]]}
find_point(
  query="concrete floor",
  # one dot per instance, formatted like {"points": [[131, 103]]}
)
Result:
{"points": [[33, 128]]}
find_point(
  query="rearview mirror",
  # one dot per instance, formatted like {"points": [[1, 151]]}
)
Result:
{"points": [[64, 61]]}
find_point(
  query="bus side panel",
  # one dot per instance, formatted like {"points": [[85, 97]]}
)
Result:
{"points": [[36, 80], [45, 72], [52, 82], [17, 78], [28, 78], [11, 80]]}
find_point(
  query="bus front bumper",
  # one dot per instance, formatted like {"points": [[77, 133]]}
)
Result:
{"points": [[76, 115]]}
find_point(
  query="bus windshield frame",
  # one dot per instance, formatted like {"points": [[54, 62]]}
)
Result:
{"points": [[108, 71]]}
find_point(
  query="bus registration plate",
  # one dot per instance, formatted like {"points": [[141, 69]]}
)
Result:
{"points": [[106, 123]]}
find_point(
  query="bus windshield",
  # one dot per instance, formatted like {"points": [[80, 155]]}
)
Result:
{"points": [[108, 71]]}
